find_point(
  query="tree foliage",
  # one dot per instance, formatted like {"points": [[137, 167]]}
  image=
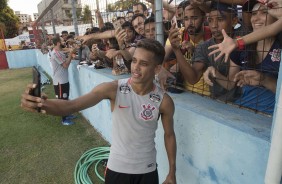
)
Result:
{"points": [[121, 5], [86, 15], [9, 20], [2, 27], [3, 4], [78, 14]]}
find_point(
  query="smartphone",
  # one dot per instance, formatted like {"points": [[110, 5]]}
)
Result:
{"points": [[173, 20], [36, 80]]}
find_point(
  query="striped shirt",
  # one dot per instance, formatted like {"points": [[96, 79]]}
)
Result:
{"points": [[60, 74]]}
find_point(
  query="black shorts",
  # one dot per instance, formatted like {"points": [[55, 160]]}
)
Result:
{"points": [[113, 177], [62, 91]]}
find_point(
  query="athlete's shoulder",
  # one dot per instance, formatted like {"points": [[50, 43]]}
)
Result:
{"points": [[167, 105]]}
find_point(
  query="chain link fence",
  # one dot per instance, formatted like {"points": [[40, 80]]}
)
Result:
{"points": [[238, 79]]}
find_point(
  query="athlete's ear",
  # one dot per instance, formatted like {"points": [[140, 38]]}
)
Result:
{"points": [[158, 69]]}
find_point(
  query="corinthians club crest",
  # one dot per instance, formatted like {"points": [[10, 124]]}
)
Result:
{"points": [[147, 112]]}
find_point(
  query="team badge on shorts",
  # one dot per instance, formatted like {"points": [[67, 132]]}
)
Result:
{"points": [[155, 97], [124, 88], [147, 112]]}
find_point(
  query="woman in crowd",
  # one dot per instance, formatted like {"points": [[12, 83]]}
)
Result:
{"points": [[259, 65]]}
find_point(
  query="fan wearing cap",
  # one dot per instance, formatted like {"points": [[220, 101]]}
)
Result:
{"points": [[222, 16], [219, 74], [260, 65], [228, 45]]}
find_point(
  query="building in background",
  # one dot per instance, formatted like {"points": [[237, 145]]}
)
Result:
{"points": [[24, 18], [62, 11], [35, 16]]}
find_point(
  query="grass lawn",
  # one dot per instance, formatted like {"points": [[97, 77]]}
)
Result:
{"points": [[36, 148]]}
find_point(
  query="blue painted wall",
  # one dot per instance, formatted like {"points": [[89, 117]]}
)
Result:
{"points": [[217, 143], [21, 58]]}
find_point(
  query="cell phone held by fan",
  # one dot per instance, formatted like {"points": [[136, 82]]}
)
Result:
{"points": [[173, 20], [36, 80]]}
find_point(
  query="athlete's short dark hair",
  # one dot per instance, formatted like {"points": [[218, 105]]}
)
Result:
{"points": [[153, 46]]}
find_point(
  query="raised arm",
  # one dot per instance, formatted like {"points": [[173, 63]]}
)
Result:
{"points": [[228, 44], [96, 36], [60, 107], [256, 78], [235, 2], [69, 58], [226, 82], [170, 8], [99, 18], [191, 74], [167, 111], [224, 48]]}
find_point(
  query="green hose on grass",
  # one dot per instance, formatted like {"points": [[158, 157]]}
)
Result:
{"points": [[86, 160]]}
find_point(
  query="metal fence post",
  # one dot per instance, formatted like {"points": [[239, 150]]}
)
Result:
{"points": [[159, 21], [43, 30], [52, 19], [74, 18]]}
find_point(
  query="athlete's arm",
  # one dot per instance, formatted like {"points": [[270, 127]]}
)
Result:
{"points": [[67, 62], [167, 111], [96, 36], [232, 2], [59, 107]]}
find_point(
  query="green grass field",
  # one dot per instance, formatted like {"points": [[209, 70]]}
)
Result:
{"points": [[36, 148]]}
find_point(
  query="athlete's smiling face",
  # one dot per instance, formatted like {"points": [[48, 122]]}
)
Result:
{"points": [[143, 66]]}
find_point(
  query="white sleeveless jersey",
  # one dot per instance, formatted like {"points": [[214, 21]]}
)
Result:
{"points": [[135, 120]]}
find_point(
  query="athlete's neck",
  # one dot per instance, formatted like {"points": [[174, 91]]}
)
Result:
{"points": [[142, 88]]}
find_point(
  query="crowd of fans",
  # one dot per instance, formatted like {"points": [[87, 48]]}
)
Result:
{"points": [[211, 49]]}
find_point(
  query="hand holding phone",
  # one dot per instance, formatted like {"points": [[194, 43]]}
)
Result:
{"points": [[173, 20], [36, 80]]}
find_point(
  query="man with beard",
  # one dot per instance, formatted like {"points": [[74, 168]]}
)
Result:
{"points": [[222, 16], [140, 8], [192, 34], [60, 66]]}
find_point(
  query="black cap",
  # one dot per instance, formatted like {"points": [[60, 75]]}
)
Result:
{"points": [[249, 5], [224, 7]]}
